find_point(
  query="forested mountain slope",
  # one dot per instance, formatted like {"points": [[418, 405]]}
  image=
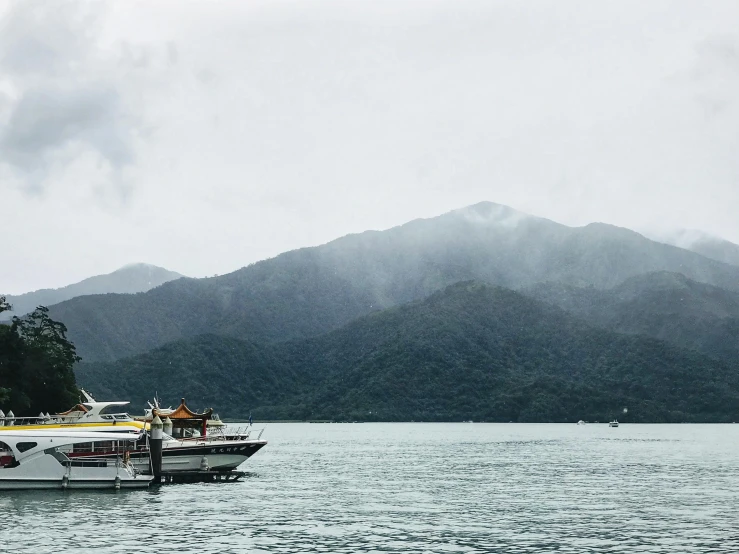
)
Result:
{"points": [[666, 306], [471, 351], [311, 291]]}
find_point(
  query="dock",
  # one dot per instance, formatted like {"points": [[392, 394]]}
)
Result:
{"points": [[197, 476]]}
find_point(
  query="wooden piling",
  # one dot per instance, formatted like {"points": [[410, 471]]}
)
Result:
{"points": [[155, 447]]}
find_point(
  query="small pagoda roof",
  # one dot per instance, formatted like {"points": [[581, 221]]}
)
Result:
{"points": [[182, 412]]}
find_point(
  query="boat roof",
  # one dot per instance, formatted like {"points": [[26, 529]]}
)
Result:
{"points": [[113, 425], [82, 436], [92, 406]]}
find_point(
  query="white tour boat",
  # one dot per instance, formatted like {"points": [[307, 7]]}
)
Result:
{"points": [[191, 442], [222, 449], [37, 459]]}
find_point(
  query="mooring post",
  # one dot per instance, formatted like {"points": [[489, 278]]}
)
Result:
{"points": [[155, 448], [168, 426]]}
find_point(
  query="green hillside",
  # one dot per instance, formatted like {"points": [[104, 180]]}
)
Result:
{"points": [[471, 351], [662, 305]]}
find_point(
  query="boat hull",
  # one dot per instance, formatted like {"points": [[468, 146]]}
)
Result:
{"points": [[188, 455], [74, 475], [221, 456], [56, 484]]}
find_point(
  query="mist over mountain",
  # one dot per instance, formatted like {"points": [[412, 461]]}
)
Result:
{"points": [[707, 245], [311, 291], [470, 351], [662, 305], [717, 249], [129, 279]]}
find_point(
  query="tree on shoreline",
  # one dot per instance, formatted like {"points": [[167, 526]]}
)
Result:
{"points": [[36, 364]]}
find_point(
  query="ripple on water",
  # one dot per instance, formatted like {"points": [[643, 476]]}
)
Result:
{"points": [[421, 488]]}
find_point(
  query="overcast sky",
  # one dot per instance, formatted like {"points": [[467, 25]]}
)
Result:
{"points": [[203, 136]]}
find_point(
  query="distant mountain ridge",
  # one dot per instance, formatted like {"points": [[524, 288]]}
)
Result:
{"points": [[470, 351], [129, 279], [311, 291], [707, 245]]}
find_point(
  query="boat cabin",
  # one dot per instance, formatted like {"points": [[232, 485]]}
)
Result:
{"points": [[85, 412], [34, 459]]}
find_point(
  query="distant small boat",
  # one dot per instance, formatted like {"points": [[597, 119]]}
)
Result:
{"points": [[613, 423], [581, 422]]}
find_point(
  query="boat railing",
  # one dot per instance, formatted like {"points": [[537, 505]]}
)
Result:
{"points": [[95, 461], [237, 433], [225, 434], [242, 433], [38, 420], [62, 419]]}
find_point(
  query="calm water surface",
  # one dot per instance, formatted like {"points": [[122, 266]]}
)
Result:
{"points": [[406, 487]]}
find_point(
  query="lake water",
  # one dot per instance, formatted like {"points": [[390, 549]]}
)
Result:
{"points": [[413, 487]]}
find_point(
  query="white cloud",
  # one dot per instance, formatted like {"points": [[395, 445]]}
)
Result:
{"points": [[61, 102], [205, 136]]}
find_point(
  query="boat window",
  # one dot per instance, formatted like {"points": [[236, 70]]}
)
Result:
{"points": [[113, 409], [6, 456], [24, 446], [86, 407]]}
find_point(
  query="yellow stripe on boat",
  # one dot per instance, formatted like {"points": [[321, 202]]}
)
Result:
{"points": [[46, 426]]}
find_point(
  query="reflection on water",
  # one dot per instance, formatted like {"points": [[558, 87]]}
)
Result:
{"points": [[421, 488]]}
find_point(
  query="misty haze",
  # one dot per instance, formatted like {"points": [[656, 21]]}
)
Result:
{"points": [[369, 276]]}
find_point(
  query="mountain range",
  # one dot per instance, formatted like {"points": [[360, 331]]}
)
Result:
{"points": [[482, 313], [471, 351], [129, 279], [311, 291]]}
